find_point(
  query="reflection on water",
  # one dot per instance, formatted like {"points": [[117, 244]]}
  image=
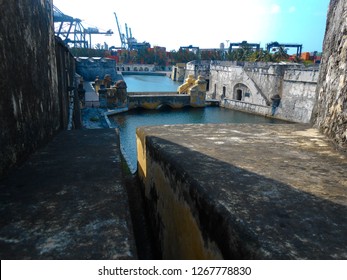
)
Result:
{"points": [[145, 83], [129, 121]]}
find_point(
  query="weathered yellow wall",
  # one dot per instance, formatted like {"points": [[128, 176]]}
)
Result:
{"points": [[179, 232]]}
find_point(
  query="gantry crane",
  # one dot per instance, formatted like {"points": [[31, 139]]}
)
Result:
{"points": [[272, 45], [71, 30], [128, 42], [121, 35]]}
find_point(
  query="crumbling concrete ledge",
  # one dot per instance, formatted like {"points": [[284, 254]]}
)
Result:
{"points": [[244, 191]]}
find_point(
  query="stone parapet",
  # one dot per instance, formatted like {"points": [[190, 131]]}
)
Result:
{"points": [[244, 191], [246, 107]]}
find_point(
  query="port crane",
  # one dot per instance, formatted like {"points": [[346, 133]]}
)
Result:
{"points": [[72, 31], [272, 45], [128, 42], [121, 35]]}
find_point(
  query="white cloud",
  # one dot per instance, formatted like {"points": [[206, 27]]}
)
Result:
{"points": [[275, 9]]}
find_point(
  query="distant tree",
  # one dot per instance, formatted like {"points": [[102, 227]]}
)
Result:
{"points": [[261, 55], [243, 53], [280, 54]]}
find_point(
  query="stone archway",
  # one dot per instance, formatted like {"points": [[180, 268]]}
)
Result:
{"points": [[239, 91], [239, 94]]}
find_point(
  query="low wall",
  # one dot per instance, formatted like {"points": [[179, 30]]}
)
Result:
{"points": [[246, 107], [228, 191], [89, 68]]}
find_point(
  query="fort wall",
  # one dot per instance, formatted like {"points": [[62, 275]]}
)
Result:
{"points": [[249, 87], [330, 112], [33, 85], [89, 68]]}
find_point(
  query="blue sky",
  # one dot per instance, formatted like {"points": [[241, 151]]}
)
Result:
{"points": [[205, 24]]}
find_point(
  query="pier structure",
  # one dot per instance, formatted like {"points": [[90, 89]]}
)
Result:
{"points": [[117, 97]]}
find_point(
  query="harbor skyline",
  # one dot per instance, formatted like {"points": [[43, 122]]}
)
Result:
{"points": [[182, 23]]}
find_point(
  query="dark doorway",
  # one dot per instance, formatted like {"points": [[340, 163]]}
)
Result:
{"points": [[214, 92], [239, 94], [224, 92]]}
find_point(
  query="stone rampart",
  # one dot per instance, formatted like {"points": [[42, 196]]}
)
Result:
{"points": [[226, 191], [256, 84], [330, 113], [34, 81], [89, 68]]}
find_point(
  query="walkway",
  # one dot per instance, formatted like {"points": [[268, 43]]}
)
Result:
{"points": [[245, 191], [91, 97], [68, 201]]}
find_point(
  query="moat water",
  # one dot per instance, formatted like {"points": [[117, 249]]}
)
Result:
{"points": [[128, 122], [146, 83]]}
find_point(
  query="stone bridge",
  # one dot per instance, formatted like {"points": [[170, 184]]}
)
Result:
{"points": [[118, 97], [154, 101], [150, 100]]}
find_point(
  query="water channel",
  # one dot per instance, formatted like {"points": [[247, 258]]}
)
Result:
{"points": [[127, 122], [148, 83]]}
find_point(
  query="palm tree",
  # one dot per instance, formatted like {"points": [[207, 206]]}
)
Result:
{"points": [[281, 54]]}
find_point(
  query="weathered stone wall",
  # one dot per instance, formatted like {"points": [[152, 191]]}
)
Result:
{"points": [[89, 68], [255, 84], [30, 107], [244, 191], [298, 94], [66, 80], [246, 107], [227, 81], [178, 233], [178, 72], [330, 113], [197, 68]]}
